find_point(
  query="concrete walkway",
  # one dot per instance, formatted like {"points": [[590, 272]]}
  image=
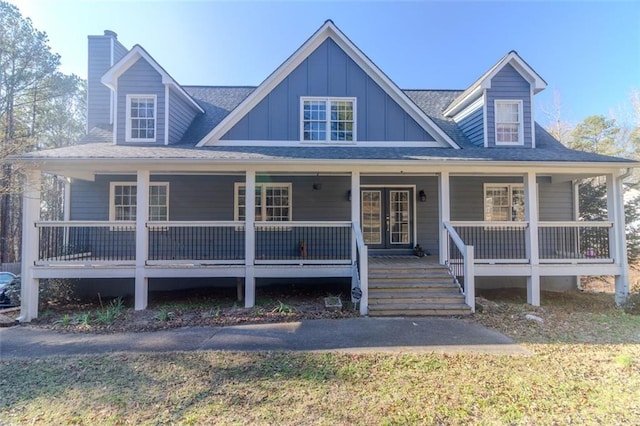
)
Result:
{"points": [[354, 335]]}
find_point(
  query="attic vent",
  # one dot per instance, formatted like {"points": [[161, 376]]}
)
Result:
{"points": [[110, 33]]}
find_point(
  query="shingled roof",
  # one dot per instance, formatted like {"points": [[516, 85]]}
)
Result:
{"points": [[218, 102]]}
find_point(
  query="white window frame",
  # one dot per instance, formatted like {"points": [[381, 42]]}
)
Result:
{"points": [[112, 204], [520, 121], [263, 195], [510, 187], [327, 101], [128, 137]]}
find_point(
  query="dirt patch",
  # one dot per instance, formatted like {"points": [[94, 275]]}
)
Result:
{"points": [[574, 317], [193, 308]]}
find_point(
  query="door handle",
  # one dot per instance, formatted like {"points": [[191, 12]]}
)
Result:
{"points": [[388, 223]]}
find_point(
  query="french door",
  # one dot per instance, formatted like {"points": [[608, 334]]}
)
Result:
{"points": [[387, 219]]}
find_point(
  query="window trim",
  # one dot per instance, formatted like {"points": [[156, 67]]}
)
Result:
{"points": [[112, 204], [487, 185], [263, 192], [520, 123], [328, 100], [127, 135]]}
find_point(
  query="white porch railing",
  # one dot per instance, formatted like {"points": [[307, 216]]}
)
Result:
{"points": [[298, 242], [210, 242], [361, 270], [86, 241], [495, 242], [558, 242], [575, 242], [460, 261]]}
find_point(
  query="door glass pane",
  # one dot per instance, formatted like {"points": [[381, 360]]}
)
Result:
{"points": [[372, 217], [399, 217]]}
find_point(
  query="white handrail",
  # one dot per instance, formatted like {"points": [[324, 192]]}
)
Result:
{"points": [[468, 266], [363, 250], [500, 224], [599, 224], [189, 224], [304, 223], [84, 223]]}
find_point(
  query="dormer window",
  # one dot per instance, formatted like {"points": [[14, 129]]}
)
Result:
{"points": [[141, 118], [328, 119], [509, 122]]}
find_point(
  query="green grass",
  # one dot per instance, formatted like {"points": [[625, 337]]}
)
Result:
{"points": [[584, 369], [559, 384]]}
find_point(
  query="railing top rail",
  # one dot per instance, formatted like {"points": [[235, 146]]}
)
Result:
{"points": [[83, 223], [358, 234], [493, 224], [305, 223], [591, 224], [454, 236], [202, 223]]}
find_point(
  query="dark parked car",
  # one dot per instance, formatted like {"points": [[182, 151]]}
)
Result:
{"points": [[7, 282]]}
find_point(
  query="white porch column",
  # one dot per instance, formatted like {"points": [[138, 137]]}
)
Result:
{"points": [[142, 240], [355, 208], [444, 203], [30, 243], [531, 215], [617, 236], [250, 239]]}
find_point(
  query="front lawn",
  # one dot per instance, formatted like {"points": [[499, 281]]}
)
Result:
{"points": [[585, 369]]}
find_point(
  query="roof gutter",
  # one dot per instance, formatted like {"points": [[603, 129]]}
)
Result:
{"points": [[258, 161]]}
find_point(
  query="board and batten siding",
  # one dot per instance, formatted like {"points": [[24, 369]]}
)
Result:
{"points": [[473, 127], [181, 114], [140, 79], [328, 72], [467, 198], [508, 84]]}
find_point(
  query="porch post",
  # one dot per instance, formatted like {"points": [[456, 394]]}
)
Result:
{"points": [[250, 239], [444, 201], [617, 236], [531, 215], [30, 244], [355, 209], [142, 240]]}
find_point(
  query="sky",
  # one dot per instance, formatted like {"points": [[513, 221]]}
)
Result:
{"points": [[588, 52]]}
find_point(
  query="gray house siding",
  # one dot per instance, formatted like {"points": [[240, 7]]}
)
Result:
{"points": [[328, 72], [473, 127], [509, 84], [181, 113], [99, 61], [140, 79], [467, 198]]}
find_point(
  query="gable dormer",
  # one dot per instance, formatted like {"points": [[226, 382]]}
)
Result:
{"points": [[328, 93], [150, 107], [497, 109]]}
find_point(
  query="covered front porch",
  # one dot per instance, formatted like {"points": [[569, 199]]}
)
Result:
{"points": [[322, 230]]}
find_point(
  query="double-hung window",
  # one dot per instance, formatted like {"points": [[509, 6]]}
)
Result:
{"points": [[328, 119], [273, 202], [123, 201], [508, 115], [141, 118], [503, 202]]}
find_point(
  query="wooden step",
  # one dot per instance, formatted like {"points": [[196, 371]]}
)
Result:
{"points": [[418, 309], [388, 275], [376, 298], [386, 285]]}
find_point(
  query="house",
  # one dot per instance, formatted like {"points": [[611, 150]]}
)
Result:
{"points": [[348, 174]]}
